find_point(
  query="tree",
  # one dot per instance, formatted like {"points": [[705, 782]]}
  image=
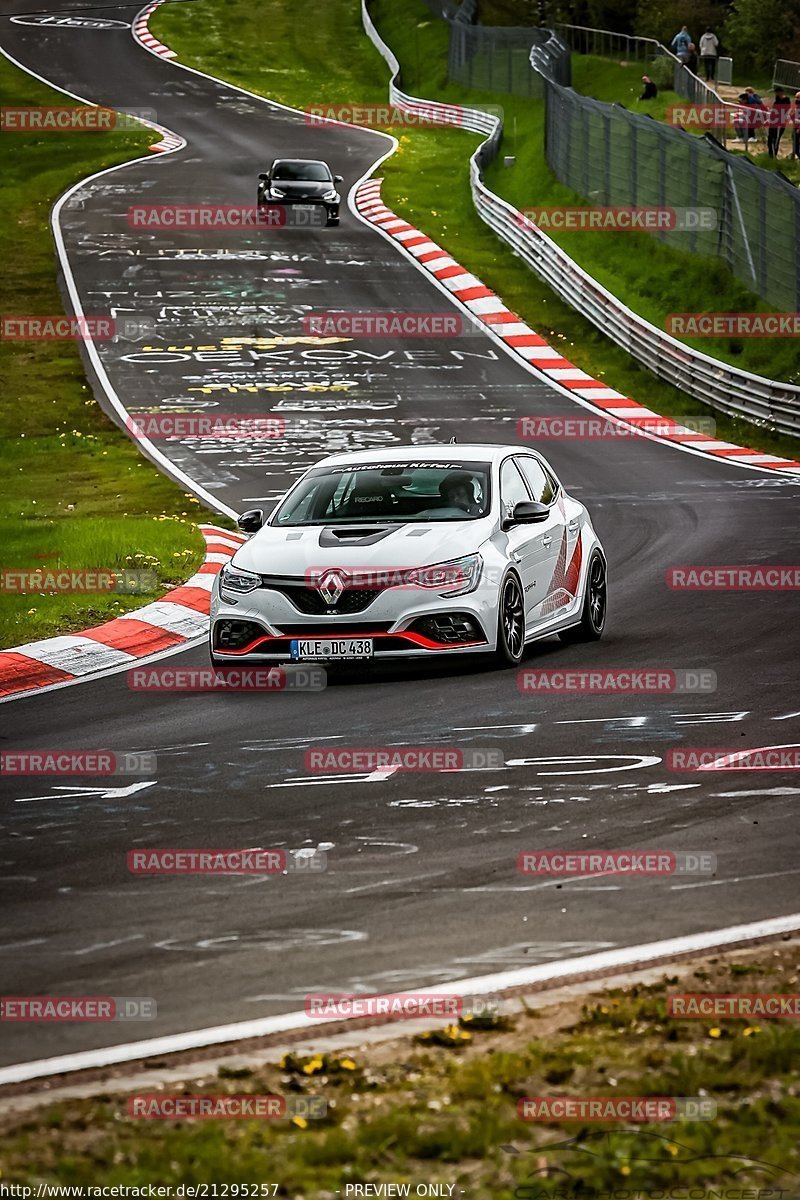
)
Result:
{"points": [[617, 15], [759, 31], [656, 20]]}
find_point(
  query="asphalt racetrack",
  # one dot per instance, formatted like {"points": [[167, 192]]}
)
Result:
{"points": [[422, 884]]}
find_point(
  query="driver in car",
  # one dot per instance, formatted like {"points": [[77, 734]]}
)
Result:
{"points": [[458, 491]]}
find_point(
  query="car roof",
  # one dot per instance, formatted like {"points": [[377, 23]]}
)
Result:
{"points": [[449, 452], [318, 162]]}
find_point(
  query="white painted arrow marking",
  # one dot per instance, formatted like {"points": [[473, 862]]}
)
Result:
{"points": [[67, 792], [738, 760]]}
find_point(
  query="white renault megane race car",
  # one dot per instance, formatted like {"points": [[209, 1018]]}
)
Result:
{"points": [[412, 552]]}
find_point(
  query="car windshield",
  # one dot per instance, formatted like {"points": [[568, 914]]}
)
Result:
{"points": [[394, 492], [291, 172]]}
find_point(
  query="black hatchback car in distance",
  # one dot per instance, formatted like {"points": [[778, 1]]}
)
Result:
{"points": [[301, 182]]}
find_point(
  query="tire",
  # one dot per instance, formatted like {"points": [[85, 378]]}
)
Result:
{"points": [[595, 604], [510, 623]]}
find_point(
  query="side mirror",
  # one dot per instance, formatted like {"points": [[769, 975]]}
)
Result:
{"points": [[263, 177], [251, 521], [527, 512], [338, 179]]}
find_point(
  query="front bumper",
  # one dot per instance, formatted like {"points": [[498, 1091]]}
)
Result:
{"points": [[414, 627], [330, 208]]}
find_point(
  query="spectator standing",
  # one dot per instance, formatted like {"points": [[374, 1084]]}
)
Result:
{"points": [[681, 43], [691, 58], [709, 52], [649, 91], [751, 115], [778, 120]]}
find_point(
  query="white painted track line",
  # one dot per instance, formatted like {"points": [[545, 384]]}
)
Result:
{"points": [[606, 962]]}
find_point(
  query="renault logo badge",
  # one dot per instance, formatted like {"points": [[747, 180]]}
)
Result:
{"points": [[331, 586]]}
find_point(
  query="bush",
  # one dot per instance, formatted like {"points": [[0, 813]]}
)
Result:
{"points": [[662, 72]]}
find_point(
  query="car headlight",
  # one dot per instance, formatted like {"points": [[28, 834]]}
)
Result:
{"points": [[331, 195], [273, 191], [453, 578], [234, 582]]}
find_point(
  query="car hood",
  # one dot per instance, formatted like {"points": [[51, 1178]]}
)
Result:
{"points": [[294, 551], [304, 187]]}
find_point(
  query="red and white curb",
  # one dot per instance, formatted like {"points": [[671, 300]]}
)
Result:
{"points": [[142, 32], [178, 617], [170, 141], [490, 311]]}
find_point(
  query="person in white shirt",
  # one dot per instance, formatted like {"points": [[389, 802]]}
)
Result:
{"points": [[709, 50]]}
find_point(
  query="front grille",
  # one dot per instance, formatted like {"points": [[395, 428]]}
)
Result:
{"points": [[308, 600]]}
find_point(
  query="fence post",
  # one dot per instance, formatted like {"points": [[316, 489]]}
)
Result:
{"points": [[662, 182], [694, 197], [736, 213], [586, 139], [762, 248], [607, 135]]}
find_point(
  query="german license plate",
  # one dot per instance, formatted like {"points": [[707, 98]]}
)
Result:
{"points": [[330, 648]]}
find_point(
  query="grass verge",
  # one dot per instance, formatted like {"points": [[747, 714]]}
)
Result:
{"points": [[620, 83], [332, 61], [74, 492], [442, 1108], [654, 280]]}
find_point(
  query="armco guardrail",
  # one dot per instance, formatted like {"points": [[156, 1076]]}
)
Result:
{"points": [[475, 120], [764, 401]]}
